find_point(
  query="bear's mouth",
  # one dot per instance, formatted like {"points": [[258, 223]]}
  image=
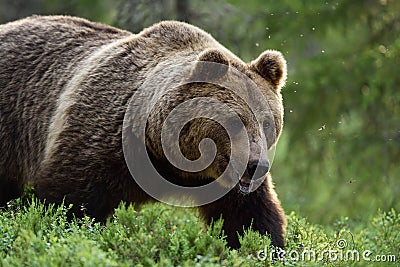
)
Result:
{"points": [[244, 187], [247, 185]]}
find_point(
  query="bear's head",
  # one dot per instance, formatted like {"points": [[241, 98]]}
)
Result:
{"points": [[226, 107]]}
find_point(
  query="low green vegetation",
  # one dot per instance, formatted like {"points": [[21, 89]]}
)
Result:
{"points": [[32, 234]]}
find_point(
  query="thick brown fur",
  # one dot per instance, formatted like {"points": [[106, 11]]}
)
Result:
{"points": [[65, 84]]}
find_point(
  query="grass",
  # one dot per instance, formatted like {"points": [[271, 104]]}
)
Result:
{"points": [[32, 234]]}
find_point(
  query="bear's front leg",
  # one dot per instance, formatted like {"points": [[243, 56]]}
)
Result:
{"points": [[260, 209], [94, 186]]}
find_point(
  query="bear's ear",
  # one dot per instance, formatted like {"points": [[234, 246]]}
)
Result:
{"points": [[212, 64], [213, 55], [271, 65]]}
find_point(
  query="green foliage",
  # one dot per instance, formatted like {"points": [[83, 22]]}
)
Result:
{"points": [[158, 235], [97, 10]]}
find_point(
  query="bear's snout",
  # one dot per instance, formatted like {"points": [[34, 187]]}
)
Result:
{"points": [[257, 168]]}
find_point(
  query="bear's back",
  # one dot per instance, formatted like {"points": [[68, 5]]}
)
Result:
{"points": [[39, 55]]}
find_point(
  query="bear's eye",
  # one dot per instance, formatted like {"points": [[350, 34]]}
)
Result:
{"points": [[266, 125]]}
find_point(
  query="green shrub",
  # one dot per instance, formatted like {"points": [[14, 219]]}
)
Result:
{"points": [[35, 234]]}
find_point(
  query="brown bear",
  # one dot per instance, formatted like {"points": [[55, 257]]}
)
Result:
{"points": [[66, 85]]}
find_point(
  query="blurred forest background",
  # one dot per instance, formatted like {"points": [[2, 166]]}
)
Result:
{"points": [[339, 155]]}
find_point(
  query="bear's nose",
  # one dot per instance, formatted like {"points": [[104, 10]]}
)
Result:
{"points": [[258, 168]]}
